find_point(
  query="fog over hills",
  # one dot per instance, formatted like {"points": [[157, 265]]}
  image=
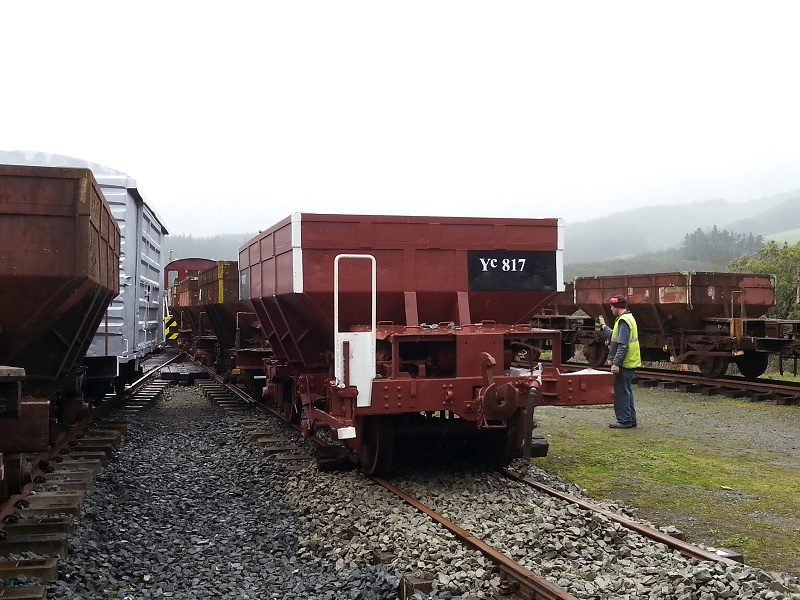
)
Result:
{"points": [[627, 233], [771, 219], [653, 228], [224, 246]]}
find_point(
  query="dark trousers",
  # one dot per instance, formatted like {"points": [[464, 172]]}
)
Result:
{"points": [[623, 397]]}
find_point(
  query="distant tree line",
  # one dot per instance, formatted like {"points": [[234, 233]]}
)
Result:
{"points": [[700, 250], [718, 246], [216, 247]]}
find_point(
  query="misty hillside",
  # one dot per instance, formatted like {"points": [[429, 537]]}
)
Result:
{"points": [[790, 236], [701, 250], [770, 220], [623, 242], [218, 247], [654, 228]]}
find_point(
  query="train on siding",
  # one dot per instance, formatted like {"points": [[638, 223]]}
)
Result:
{"points": [[133, 326], [383, 329], [176, 271], [60, 250], [183, 268], [212, 324], [709, 320]]}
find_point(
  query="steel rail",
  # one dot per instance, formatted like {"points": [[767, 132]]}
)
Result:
{"points": [[133, 387], [237, 391], [536, 587], [788, 388], [684, 548], [516, 576], [729, 382]]}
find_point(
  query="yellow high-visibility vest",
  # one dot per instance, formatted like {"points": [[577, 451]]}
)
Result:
{"points": [[633, 358]]}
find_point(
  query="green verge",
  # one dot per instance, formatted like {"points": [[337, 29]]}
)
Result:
{"points": [[741, 502]]}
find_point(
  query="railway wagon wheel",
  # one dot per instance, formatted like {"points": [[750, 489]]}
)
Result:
{"points": [[291, 406], [503, 446], [287, 400], [713, 366], [596, 354], [752, 364], [377, 447]]}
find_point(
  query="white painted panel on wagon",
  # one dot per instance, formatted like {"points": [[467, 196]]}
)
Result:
{"points": [[360, 344]]}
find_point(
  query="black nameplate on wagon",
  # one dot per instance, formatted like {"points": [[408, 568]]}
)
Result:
{"points": [[511, 271]]}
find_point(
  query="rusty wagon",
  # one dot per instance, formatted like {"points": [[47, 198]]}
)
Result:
{"points": [[59, 271], [705, 319], [217, 328], [405, 327], [174, 272]]}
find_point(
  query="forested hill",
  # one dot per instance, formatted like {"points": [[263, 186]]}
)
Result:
{"points": [[700, 250], [613, 239], [218, 247], [655, 228], [771, 220]]}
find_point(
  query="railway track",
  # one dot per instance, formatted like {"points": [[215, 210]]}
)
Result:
{"points": [[38, 519], [779, 392], [685, 548], [519, 578], [516, 580], [538, 543], [410, 524]]}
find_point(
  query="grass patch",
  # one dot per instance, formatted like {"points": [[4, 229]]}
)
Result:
{"points": [[737, 500], [787, 376]]}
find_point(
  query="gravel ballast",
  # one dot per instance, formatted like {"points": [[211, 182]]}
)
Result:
{"points": [[580, 551], [189, 508]]}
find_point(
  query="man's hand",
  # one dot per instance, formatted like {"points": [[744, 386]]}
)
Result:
{"points": [[614, 369], [602, 322]]}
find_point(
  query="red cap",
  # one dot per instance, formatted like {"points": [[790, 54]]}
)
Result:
{"points": [[618, 301]]}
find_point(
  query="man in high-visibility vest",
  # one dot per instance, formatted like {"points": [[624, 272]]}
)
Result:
{"points": [[624, 357]]}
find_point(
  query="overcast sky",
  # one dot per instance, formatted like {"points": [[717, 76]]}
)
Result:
{"points": [[232, 115]]}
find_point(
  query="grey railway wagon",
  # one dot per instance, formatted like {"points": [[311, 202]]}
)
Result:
{"points": [[134, 324]]}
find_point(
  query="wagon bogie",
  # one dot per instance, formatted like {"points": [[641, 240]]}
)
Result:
{"points": [[377, 444], [281, 396], [712, 366]]}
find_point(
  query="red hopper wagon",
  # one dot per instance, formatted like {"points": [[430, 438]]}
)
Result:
{"points": [[385, 327], [59, 270]]}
